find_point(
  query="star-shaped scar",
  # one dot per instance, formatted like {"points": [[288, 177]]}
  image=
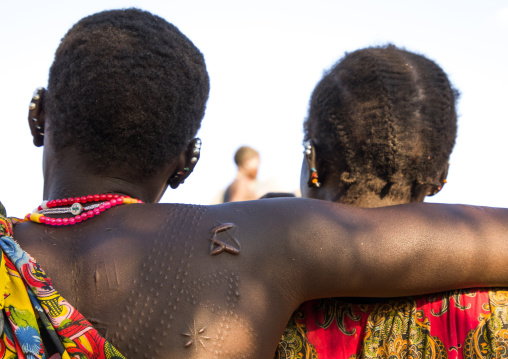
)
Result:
{"points": [[218, 246], [195, 335]]}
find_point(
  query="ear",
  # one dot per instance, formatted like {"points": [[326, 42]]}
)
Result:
{"points": [[186, 163], [432, 187], [439, 181], [36, 116]]}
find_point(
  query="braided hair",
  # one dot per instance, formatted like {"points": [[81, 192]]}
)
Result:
{"points": [[386, 118], [126, 86]]}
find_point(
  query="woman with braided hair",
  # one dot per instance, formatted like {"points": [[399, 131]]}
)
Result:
{"points": [[126, 95], [381, 126]]}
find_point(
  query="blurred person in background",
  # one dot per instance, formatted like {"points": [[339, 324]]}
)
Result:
{"points": [[245, 185]]}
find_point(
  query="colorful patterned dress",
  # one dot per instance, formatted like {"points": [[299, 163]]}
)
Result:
{"points": [[31, 309], [455, 324]]}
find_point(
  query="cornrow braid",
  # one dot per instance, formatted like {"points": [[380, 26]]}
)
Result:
{"points": [[382, 119], [385, 118], [435, 121]]}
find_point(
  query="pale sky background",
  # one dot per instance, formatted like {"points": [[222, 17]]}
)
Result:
{"points": [[264, 59]]}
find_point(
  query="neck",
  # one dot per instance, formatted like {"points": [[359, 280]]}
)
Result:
{"points": [[364, 196], [372, 201], [82, 185], [67, 177], [244, 176]]}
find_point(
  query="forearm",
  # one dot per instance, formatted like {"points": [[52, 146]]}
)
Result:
{"points": [[404, 250], [443, 247]]}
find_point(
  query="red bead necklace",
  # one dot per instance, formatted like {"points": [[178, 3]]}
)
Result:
{"points": [[98, 204]]}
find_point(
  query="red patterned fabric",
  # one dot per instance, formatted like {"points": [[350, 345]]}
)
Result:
{"points": [[30, 305], [455, 324]]}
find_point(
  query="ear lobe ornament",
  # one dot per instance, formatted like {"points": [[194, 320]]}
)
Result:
{"points": [[436, 189], [36, 98], [196, 152], [310, 156], [34, 112]]}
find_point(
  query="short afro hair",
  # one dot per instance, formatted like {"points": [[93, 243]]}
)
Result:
{"points": [[126, 86], [245, 153], [385, 117]]}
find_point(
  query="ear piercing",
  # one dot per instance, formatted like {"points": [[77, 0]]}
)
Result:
{"points": [[196, 151], [308, 148], [33, 106], [36, 97], [314, 179], [310, 157]]}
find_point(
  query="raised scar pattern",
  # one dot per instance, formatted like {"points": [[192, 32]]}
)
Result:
{"points": [[106, 274], [217, 246], [195, 335], [165, 262], [49, 234]]}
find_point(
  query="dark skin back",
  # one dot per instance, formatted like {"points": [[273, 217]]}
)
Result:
{"points": [[144, 274]]}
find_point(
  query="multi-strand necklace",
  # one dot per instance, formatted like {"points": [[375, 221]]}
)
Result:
{"points": [[75, 206]]}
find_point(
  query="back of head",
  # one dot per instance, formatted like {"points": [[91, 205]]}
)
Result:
{"points": [[385, 119], [245, 153], [126, 87]]}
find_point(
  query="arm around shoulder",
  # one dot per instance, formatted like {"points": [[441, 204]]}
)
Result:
{"points": [[323, 249]]}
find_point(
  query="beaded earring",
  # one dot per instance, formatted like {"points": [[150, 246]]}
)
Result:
{"points": [[310, 156]]}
